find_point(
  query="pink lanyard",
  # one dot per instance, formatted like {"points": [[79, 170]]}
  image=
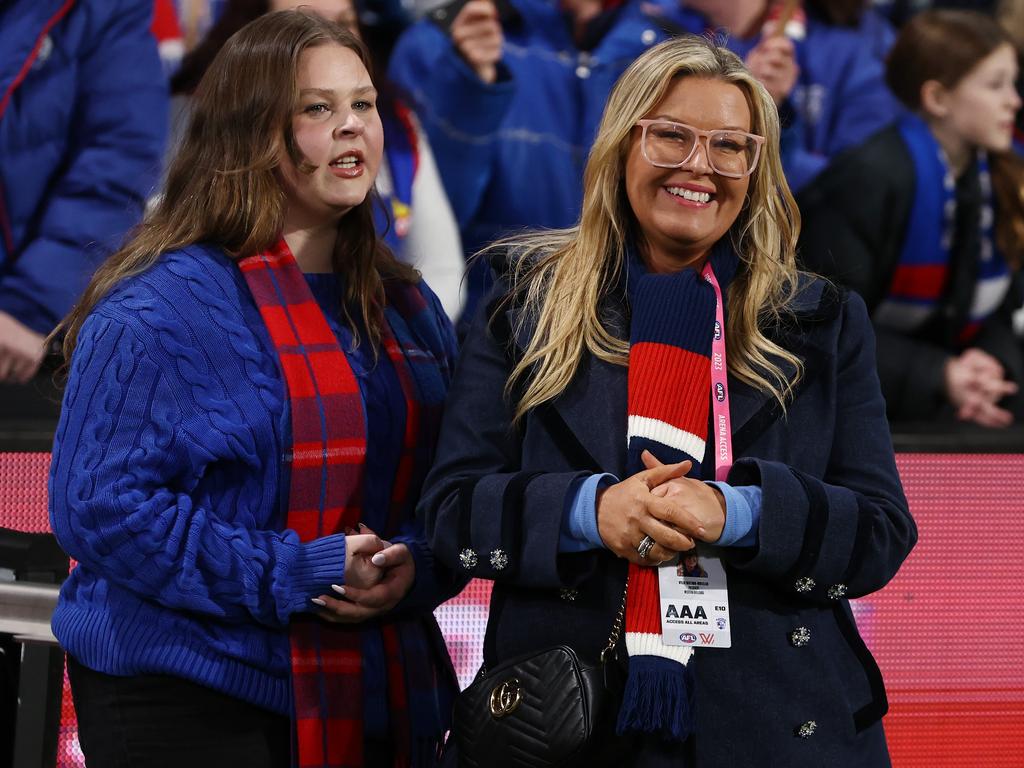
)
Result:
{"points": [[722, 424]]}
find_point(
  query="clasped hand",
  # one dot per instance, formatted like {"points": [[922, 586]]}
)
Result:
{"points": [[377, 576], [660, 502], [975, 383]]}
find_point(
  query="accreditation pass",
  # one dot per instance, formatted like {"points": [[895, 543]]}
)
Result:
{"points": [[694, 602]]}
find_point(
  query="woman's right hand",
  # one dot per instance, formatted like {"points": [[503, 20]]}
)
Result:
{"points": [[627, 511], [360, 572]]}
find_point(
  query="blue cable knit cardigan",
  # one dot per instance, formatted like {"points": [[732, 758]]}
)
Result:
{"points": [[168, 488]]}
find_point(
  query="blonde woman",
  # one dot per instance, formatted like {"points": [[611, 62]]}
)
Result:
{"points": [[661, 377]]}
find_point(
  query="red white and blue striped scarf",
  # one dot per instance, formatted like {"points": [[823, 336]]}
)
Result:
{"points": [[327, 464], [669, 389]]}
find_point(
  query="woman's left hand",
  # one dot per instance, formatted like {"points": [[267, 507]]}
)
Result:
{"points": [[705, 502], [353, 605]]}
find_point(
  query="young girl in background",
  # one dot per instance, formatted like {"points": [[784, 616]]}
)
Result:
{"points": [[926, 221]]}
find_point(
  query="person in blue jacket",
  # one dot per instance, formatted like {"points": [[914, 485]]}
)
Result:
{"points": [[511, 103], [83, 118], [254, 392], [825, 71], [669, 333]]}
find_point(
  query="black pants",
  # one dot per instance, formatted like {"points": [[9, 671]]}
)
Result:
{"points": [[153, 721]]}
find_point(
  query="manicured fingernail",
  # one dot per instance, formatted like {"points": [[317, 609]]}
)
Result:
{"points": [[337, 588], [701, 532], [359, 527], [319, 602], [378, 559]]}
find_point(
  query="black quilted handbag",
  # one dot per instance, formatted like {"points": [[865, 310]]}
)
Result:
{"points": [[549, 708]]}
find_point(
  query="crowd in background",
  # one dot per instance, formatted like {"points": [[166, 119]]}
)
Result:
{"points": [[489, 108]]}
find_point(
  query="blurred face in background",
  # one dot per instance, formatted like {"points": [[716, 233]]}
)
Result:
{"points": [[338, 131], [341, 12], [981, 108]]}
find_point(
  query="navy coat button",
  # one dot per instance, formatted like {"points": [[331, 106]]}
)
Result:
{"points": [[499, 559], [468, 559], [806, 730], [836, 591], [800, 637], [804, 584]]}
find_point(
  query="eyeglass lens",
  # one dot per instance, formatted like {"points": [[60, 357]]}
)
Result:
{"points": [[729, 152]]}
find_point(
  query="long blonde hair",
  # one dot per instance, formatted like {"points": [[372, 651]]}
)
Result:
{"points": [[222, 186], [561, 276]]}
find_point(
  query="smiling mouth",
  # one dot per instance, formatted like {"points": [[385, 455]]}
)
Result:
{"points": [[690, 194]]}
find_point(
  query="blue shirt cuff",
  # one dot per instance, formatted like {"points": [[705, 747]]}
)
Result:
{"points": [[742, 514], [579, 520]]}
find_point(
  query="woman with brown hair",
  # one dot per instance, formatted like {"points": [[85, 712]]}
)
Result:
{"points": [[415, 218], [926, 221], [254, 389]]}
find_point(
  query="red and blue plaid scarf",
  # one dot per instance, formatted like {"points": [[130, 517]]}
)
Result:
{"points": [[327, 463]]}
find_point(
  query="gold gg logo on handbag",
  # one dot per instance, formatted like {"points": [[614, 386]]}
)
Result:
{"points": [[505, 698]]}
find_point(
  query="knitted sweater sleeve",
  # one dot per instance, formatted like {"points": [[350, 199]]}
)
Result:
{"points": [[139, 431]]}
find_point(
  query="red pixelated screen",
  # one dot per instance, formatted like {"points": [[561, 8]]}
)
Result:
{"points": [[947, 632]]}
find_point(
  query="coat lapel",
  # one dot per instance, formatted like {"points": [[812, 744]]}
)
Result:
{"points": [[588, 419], [754, 411], [593, 408]]}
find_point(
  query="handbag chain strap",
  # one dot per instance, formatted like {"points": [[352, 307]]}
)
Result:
{"points": [[613, 639]]}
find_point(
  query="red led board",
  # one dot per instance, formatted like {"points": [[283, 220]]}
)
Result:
{"points": [[948, 632]]}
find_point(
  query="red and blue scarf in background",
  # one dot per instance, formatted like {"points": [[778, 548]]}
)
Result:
{"points": [[327, 474], [921, 277], [401, 150]]}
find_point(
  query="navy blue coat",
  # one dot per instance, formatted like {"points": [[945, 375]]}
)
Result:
{"points": [[83, 117], [834, 524]]}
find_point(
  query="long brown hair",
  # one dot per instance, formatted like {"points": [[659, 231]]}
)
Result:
{"points": [[945, 46], [222, 186]]}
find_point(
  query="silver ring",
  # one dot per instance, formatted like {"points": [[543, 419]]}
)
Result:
{"points": [[644, 547]]}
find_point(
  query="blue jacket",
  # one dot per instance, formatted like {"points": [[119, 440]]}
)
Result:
{"points": [[512, 153], [840, 98], [83, 117], [167, 485], [834, 522]]}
